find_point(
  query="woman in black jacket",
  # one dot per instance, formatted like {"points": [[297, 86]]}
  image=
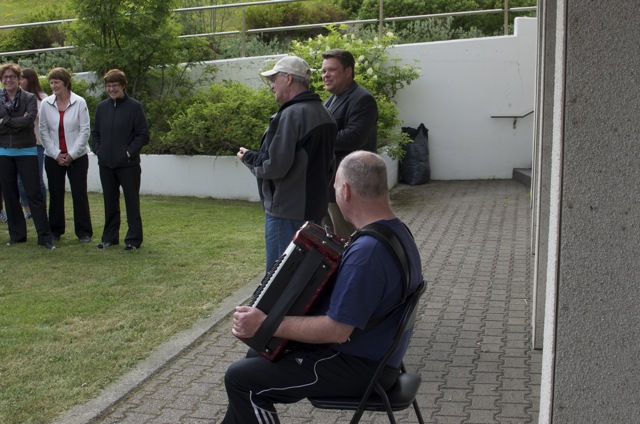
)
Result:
{"points": [[119, 132], [19, 156]]}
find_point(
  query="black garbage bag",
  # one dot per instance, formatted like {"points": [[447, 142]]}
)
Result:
{"points": [[414, 167]]}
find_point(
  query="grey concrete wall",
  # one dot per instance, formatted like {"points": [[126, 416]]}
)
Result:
{"points": [[595, 363], [542, 159]]}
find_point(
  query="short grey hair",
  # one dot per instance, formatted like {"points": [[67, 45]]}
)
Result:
{"points": [[305, 82], [366, 173]]}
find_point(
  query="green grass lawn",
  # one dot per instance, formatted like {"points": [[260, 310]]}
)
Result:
{"points": [[16, 11], [74, 319]]}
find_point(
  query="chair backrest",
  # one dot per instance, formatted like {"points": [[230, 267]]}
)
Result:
{"points": [[407, 321], [401, 395]]}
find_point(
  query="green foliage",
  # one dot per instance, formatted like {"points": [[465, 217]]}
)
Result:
{"points": [[43, 62], [288, 14], [132, 36], [83, 89], [352, 7], [491, 24], [36, 37], [231, 47], [174, 89], [208, 20], [216, 122], [488, 24], [374, 70], [434, 29]]}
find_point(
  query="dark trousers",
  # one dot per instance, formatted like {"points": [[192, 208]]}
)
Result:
{"points": [[77, 174], [23, 196], [255, 384], [129, 179], [27, 168]]}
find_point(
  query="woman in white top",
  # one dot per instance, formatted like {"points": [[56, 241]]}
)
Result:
{"points": [[31, 83], [64, 132]]}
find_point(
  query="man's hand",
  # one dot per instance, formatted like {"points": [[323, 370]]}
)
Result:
{"points": [[246, 321], [241, 153]]}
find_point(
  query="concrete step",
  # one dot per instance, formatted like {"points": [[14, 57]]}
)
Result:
{"points": [[523, 175]]}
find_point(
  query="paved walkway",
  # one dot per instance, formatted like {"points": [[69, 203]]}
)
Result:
{"points": [[472, 344]]}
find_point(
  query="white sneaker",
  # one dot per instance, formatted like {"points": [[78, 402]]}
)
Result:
{"points": [[3, 216]]}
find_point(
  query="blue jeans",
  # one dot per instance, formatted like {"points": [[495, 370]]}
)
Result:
{"points": [[23, 196], [278, 233]]}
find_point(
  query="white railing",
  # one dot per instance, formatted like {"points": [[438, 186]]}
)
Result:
{"points": [[381, 20]]}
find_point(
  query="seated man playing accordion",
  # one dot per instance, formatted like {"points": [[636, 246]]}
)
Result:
{"points": [[331, 359]]}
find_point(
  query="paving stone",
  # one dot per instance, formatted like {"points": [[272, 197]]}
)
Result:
{"points": [[472, 344], [481, 416]]}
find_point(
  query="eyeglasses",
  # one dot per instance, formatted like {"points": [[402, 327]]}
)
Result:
{"points": [[114, 85], [9, 77]]}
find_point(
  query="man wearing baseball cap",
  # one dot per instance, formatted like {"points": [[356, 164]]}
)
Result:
{"points": [[294, 166]]}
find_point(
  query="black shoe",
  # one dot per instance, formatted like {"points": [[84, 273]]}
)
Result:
{"points": [[14, 242], [105, 244], [49, 245], [130, 247], [85, 239]]}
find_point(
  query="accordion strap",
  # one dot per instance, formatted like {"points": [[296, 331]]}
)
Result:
{"points": [[385, 235]]}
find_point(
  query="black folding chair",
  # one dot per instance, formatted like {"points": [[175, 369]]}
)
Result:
{"points": [[401, 395]]}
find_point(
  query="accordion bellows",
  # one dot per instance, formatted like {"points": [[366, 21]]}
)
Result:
{"points": [[293, 284]]}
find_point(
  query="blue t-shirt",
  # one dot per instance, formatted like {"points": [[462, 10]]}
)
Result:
{"points": [[368, 284], [24, 151]]}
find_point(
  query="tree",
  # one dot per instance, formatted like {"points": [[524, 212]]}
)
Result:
{"points": [[133, 36]]}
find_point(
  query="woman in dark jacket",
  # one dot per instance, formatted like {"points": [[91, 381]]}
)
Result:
{"points": [[19, 156], [119, 132]]}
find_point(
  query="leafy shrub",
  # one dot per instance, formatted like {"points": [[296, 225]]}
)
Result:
{"points": [[82, 89], [36, 37], [487, 24], [289, 14], [216, 122], [435, 29], [230, 47], [352, 7], [43, 62], [374, 70], [432, 29]]}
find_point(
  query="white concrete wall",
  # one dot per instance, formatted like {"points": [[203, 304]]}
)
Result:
{"points": [[221, 177], [462, 83]]}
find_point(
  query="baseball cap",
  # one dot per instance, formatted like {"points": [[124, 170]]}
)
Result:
{"points": [[290, 65]]}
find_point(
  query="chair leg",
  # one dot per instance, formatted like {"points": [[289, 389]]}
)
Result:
{"points": [[387, 404], [418, 413], [356, 417], [392, 418]]}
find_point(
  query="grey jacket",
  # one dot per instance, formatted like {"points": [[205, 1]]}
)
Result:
{"points": [[295, 163]]}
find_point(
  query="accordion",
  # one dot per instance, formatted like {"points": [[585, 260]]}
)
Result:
{"points": [[293, 284]]}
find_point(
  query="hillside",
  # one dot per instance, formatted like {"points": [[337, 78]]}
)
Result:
{"points": [[16, 11]]}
